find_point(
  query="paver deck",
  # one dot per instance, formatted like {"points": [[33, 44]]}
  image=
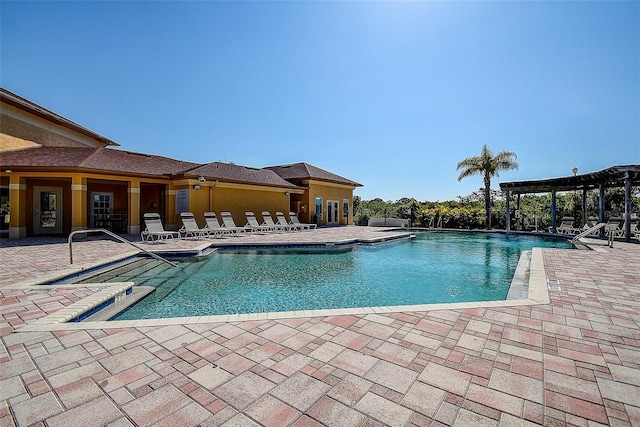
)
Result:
{"points": [[574, 361]]}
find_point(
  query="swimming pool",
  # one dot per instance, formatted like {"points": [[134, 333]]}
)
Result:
{"points": [[432, 268]]}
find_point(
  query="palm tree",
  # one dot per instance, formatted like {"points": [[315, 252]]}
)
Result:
{"points": [[487, 165]]}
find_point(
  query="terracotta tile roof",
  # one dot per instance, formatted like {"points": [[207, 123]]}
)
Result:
{"points": [[230, 172], [99, 159], [297, 171], [37, 110]]}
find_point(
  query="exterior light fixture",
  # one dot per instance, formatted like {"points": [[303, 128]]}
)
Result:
{"points": [[201, 178], [196, 187], [287, 193], [575, 171], [8, 170]]}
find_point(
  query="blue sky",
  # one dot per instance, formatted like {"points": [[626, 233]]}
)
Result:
{"points": [[389, 94]]}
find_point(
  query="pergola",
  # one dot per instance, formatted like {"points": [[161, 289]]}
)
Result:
{"points": [[615, 176]]}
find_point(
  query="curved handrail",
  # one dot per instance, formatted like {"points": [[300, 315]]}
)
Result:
{"points": [[115, 236], [589, 231]]}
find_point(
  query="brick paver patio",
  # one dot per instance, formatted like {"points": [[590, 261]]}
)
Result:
{"points": [[575, 361]]}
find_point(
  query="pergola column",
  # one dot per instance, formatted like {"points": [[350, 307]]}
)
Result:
{"points": [[508, 218], [601, 207], [627, 208], [519, 217], [553, 211], [584, 206]]}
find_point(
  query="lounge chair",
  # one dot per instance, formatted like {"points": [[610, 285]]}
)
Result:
{"points": [[635, 227], [566, 226], [614, 227], [190, 226], [268, 221], [295, 221], [254, 225], [213, 226], [592, 221], [230, 226], [154, 230], [282, 222]]}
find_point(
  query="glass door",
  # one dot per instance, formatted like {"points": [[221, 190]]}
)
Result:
{"points": [[47, 212], [101, 209], [332, 212]]}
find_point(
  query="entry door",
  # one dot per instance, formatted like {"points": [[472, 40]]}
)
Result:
{"points": [[101, 209], [47, 212], [332, 212]]}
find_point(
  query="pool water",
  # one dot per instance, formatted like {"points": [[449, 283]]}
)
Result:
{"points": [[433, 268]]}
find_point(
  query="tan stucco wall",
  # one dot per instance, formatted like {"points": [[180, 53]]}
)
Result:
{"points": [[31, 128], [238, 201], [330, 192]]}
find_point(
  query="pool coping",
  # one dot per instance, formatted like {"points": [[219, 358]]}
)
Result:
{"points": [[537, 290]]}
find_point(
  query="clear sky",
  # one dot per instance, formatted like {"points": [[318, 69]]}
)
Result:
{"points": [[389, 94]]}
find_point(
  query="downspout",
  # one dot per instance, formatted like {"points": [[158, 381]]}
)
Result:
{"points": [[211, 195]]}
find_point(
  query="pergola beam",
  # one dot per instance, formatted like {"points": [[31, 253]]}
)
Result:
{"points": [[615, 176]]}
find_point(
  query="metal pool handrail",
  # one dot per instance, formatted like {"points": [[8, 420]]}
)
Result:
{"points": [[115, 236]]}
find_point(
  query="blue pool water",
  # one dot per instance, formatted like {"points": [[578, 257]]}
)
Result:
{"points": [[433, 268]]}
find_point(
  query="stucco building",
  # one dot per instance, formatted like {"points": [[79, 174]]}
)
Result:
{"points": [[57, 176]]}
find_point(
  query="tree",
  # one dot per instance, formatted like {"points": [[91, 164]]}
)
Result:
{"points": [[487, 165]]}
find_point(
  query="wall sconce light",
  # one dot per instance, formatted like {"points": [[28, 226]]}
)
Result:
{"points": [[8, 170], [196, 187], [287, 194], [202, 179]]}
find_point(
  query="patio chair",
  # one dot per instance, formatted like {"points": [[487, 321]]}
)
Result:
{"points": [[230, 226], [295, 221], [190, 226], [635, 226], [282, 222], [268, 221], [213, 226], [592, 221], [566, 226], [154, 230], [614, 227], [252, 223]]}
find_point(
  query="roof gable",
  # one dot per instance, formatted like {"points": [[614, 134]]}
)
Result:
{"points": [[30, 107], [306, 171], [240, 174]]}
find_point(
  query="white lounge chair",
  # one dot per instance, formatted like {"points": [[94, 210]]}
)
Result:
{"points": [[190, 226], [566, 226], [295, 221], [267, 220], [213, 226], [154, 231], [282, 222], [614, 227], [229, 224], [254, 225], [592, 221]]}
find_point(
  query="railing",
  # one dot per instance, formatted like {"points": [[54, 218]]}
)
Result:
{"points": [[115, 236], [589, 231]]}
